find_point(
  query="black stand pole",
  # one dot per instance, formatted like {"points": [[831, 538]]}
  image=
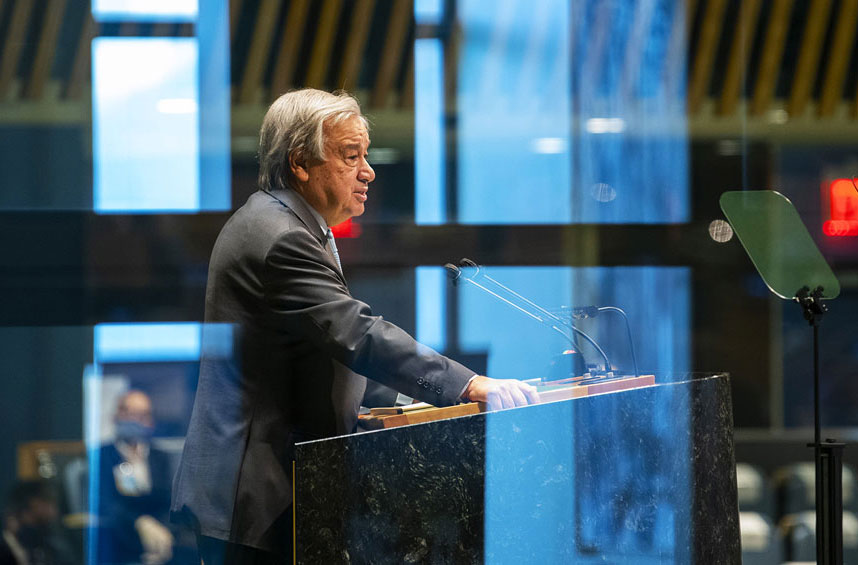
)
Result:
{"points": [[828, 455]]}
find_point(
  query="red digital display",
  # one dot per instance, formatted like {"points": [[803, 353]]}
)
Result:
{"points": [[346, 229], [843, 198]]}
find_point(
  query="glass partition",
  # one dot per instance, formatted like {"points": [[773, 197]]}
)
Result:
{"points": [[576, 150]]}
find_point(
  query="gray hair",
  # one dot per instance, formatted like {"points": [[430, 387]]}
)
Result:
{"points": [[295, 124]]}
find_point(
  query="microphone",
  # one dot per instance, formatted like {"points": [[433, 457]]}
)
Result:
{"points": [[456, 273], [522, 304], [466, 263], [584, 312], [581, 312], [453, 273]]}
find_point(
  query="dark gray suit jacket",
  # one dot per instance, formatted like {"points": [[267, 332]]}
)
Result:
{"points": [[300, 345]]}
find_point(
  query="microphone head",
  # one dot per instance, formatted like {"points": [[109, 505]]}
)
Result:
{"points": [[453, 272], [473, 268]]}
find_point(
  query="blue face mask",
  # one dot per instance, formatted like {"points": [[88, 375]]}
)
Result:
{"points": [[130, 430]]}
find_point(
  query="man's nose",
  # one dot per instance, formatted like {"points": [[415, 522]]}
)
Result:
{"points": [[367, 174]]}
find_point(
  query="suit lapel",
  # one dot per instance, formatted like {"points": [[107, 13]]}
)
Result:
{"points": [[290, 199]]}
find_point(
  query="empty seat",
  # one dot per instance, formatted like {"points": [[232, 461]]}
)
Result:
{"points": [[761, 542], [799, 536], [755, 491], [796, 488]]}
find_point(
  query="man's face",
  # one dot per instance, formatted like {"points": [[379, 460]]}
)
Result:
{"points": [[135, 407], [337, 188], [133, 419]]}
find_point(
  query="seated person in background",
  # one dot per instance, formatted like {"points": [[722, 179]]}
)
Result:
{"points": [[31, 531], [134, 490]]}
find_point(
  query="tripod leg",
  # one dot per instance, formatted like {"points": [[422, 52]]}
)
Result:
{"points": [[829, 501]]}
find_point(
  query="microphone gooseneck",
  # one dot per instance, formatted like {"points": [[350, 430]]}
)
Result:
{"points": [[622, 313], [525, 306]]}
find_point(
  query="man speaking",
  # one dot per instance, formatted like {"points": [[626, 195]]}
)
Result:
{"points": [[303, 346]]}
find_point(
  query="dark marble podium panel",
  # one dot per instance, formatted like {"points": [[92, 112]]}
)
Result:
{"points": [[639, 476]]}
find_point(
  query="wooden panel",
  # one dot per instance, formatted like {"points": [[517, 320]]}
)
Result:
{"points": [[770, 62], [353, 55], [263, 32], [855, 105], [710, 34], [47, 48], [234, 15], [290, 44], [432, 414], [811, 48], [81, 66], [406, 97], [15, 36], [429, 414], [391, 54], [601, 386], [323, 43], [838, 59], [28, 455], [740, 52], [690, 7]]}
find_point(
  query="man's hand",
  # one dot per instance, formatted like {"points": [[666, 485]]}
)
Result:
{"points": [[157, 540], [501, 393]]}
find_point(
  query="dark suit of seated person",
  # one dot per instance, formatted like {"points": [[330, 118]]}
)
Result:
{"points": [[304, 347], [134, 490], [31, 531]]}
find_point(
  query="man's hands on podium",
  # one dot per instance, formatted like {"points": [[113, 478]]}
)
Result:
{"points": [[500, 393]]}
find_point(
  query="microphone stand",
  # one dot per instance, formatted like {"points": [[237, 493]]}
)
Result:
{"points": [[828, 456], [541, 315], [786, 257], [592, 311]]}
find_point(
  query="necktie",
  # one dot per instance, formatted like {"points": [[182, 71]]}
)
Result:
{"points": [[333, 245]]}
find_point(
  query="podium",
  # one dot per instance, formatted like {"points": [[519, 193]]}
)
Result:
{"points": [[645, 475]]}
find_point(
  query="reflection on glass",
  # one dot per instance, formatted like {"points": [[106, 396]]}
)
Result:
{"points": [[428, 11], [145, 124], [631, 153], [116, 343], [429, 155], [777, 242], [557, 125], [431, 295], [144, 10], [138, 395], [656, 300], [514, 113], [215, 133], [601, 479]]}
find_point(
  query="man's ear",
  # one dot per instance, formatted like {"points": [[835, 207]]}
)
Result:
{"points": [[298, 166]]}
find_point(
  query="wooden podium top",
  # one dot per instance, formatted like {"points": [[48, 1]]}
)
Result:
{"points": [[554, 391]]}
